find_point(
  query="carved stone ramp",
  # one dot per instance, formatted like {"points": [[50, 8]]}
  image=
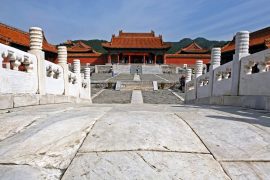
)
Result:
{"points": [[136, 97]]}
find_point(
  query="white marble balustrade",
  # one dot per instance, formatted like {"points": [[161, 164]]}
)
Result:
{"points": [[222, 81], [203, 86], [18, 71], [258, 83], [54, 78], [74, 84], [29, 73], [190, 90]]}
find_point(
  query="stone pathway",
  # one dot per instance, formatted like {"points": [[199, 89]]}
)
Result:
{"points": [[134, 141], [136, 97]]}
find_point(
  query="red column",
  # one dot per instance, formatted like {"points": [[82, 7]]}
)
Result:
{"points": [[144, 59], [109, 59], [129, 59], [118, 59], [164, 59], [155, 60]]}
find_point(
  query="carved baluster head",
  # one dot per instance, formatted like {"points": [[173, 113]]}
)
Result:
{"points": [[242, 43], [77, 66], [215, 58], [36, 38], [62, 55], [198, 68], [87, 73], [188, 75]]}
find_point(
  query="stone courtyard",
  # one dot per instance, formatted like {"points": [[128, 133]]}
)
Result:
{"points": [[58, 122], [129, 141]]}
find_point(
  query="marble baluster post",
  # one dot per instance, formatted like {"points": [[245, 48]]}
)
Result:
{"points": [[77, 71], [77, 66], [36, 39], [198, 72], [241, 50], [187, 79], [62, 61], [87, 74], [198, 68], [188, 75], [215, 62]]}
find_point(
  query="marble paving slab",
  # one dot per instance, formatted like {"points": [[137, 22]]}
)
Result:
{"points": [[52, 143], [247, 170], [227, 137], [142, 130], [144, 165], [25, 172]]}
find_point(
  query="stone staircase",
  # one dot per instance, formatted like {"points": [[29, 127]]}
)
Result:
{"points": [[134, 67], [151, 69], [121, 69]]}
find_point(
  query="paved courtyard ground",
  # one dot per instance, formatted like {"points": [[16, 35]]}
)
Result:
{"points": [[128, 141]]}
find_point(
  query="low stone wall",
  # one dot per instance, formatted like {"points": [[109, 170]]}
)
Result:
{"points": [[103, 68], [167, 69], [27, 78], [242, 82], [254, 102], [8, 101]]}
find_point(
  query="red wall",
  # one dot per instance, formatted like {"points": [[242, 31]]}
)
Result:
{"points": [[178, 61], [96, 60]]}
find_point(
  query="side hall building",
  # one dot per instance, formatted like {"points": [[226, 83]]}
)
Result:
{"points": [[86, 54], [189, 55]]}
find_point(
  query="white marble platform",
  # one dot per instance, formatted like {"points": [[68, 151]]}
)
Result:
{"points": [[134, 141]]}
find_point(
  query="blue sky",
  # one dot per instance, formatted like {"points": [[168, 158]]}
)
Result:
{"points": [[99, 19]]}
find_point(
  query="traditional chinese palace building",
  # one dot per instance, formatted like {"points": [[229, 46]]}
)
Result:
{"points": [[145, 48]]}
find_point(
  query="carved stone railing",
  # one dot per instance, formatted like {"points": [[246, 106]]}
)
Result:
{"points": [[18, 71], [16, 60], [222, 80], [203, 85], [223, 72], [53, 70], [29, 73], [54, 83], [255, 74], [190, 90], [74, 84], [85, 86]]}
